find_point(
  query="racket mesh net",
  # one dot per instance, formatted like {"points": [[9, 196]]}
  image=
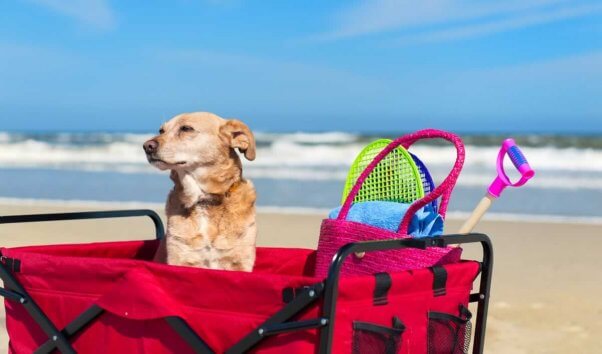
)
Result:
{"points": [[395, 178]]}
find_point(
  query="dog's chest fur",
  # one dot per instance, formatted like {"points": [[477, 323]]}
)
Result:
{"points": [[214, 236]]}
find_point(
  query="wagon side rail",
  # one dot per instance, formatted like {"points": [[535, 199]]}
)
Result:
{"points": [[87, 215]]}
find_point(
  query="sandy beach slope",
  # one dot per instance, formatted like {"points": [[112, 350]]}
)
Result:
{"points": [[547, 276]]}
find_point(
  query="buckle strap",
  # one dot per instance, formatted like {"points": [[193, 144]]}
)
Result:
{"points": [[439, 280], [383, 284]]}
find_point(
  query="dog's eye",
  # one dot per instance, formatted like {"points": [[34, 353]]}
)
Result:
{"points": [[161, 131], [186, 128]]}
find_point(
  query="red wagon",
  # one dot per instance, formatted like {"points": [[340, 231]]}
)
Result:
{"points": [[110, 298]]}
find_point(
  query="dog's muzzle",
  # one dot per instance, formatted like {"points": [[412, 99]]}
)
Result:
{"points": [[150, 146]]}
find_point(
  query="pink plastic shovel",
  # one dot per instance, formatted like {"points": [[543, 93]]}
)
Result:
{"points": [[502, 181]]}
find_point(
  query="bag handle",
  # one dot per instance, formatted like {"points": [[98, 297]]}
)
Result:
{"points": [[443, 190]]}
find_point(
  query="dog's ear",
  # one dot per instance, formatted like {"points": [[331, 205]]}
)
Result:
{"points": [[240, 137]]}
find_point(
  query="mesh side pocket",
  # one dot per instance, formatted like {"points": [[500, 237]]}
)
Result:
{"points": [[449, 334], [370, 338]]}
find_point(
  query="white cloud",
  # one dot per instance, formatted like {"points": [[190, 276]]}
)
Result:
{"points": [[462, 19], [559, 70], [504, 25], [95, 13]]}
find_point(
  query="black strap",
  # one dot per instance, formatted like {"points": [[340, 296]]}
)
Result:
{"points": [[439, 280], [465, 313], [13, 264], [289, 294], [383, 284]]}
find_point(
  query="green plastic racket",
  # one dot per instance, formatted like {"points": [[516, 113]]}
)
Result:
{"points": [[396, 178]]}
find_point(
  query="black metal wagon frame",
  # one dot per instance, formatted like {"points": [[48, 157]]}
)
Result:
{"points": [[280, 322]]}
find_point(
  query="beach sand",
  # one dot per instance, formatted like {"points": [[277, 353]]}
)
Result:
{"points": [[546, 283]]}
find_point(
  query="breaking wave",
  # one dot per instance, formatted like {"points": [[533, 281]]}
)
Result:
{"points": [[561, 162]]}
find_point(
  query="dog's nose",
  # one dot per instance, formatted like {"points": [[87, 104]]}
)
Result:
{"points": [[150, 146]]}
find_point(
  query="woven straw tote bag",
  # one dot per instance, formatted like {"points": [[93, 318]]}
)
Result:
{"points": [[335, 233]]}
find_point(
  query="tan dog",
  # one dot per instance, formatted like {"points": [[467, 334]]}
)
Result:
{"points": [[211, 209]]}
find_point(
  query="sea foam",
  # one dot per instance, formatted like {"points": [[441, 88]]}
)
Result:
{"points": [[307, 156]]}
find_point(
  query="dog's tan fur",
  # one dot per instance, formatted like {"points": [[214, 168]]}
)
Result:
{"points": [[211, 208]]}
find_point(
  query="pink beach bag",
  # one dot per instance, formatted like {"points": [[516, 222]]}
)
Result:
{"points": [[335, 233]]}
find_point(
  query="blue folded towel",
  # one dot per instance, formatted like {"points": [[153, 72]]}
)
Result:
{"points": [[388, 215]]}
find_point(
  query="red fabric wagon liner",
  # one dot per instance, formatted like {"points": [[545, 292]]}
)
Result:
{"points": [[222, 307]]}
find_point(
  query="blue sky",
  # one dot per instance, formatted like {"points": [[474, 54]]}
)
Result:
{"points": [[388, 65]]}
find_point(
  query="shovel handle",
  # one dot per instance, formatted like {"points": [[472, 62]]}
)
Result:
{"points": [[477, 214]]}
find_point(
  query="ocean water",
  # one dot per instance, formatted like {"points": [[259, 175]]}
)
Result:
{"points": [[301, 170]]}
